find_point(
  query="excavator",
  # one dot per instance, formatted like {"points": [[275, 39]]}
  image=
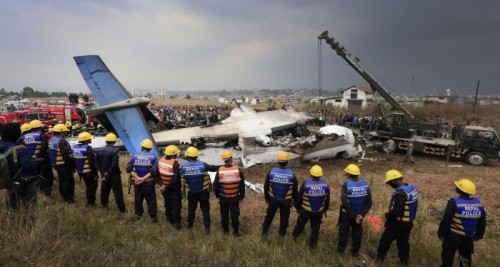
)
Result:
{"points": [[474, 144]]}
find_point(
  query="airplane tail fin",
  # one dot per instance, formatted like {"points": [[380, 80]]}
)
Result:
{"points": [[127, 119]]}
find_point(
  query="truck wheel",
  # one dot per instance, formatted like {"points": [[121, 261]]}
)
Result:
{"points": [[475, 158]]}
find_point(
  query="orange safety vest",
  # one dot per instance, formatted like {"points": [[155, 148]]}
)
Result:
{"points": [[229, 180], [166, 169]]}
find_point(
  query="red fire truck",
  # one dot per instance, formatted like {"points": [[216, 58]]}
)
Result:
{"points": [[64, 113], [27, 115]]}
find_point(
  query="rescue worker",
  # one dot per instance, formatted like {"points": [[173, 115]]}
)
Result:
{"points": [[197, 182], [229, 188], [399, 219], [90, 128], [464, 221], [313, 202], [69, 125], [280, 192], [143, 170], [37, 144], [356, 201], [170, 185], [107, 163], [391, 147], [25, 129], [409, 152], [75, 130], [85, 165], [61, 159], [21, 195], [100, 130]]}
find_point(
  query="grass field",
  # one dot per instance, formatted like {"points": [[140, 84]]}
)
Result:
{"points": [[80, 236], [75, 235]]}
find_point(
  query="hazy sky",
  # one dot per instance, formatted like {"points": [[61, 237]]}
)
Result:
{"points": [[240, 44]]}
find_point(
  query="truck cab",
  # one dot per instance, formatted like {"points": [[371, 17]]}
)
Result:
{"points": [[480, 144]]}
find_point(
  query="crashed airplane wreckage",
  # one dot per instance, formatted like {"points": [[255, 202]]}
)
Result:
{"points": [[262, 135], [259, 135]]}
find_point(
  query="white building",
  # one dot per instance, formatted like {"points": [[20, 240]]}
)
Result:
{"points": [[438, 99], [354, 96]]}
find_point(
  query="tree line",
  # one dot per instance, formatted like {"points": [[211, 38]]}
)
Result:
{"points": [[30, 92]]}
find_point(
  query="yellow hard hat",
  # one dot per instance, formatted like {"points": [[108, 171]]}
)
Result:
{"points": [[146, 143], [192, 152], [282, 156], [84, 136], [316, 171], [36, 124], [111, 137], [171, 150], [25, 127], [466, 186], [58, 128], [392, 175], [226, 154], [352, 169]]}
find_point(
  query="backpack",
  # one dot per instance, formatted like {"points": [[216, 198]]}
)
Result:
{"points": [[5, 177]]}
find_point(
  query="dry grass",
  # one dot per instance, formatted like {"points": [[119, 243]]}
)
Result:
{"points": [[486, 115]]}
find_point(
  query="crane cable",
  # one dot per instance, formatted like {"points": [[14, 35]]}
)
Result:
{"points": [[320, 69]]}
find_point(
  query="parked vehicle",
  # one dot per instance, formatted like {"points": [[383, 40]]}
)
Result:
{"points": [[64, 113], [27, 115]]}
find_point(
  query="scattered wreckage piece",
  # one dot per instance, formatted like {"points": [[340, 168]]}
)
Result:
{"points": [[331, 141]]}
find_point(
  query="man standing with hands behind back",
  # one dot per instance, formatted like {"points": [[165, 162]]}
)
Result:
{"points": [[356, 201], [464, 222], [107, 163]]}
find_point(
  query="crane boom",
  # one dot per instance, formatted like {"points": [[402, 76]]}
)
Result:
{"points": [[354, 62]]}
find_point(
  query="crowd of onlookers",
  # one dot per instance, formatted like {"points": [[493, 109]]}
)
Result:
{"points": [[369, 121], [189, 116], [330, 117]]}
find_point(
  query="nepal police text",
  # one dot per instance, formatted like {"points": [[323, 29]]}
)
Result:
{"points": [[280, 178], [359, 191], [471, 211], [192, 170], [142, 160], [317, 190]]}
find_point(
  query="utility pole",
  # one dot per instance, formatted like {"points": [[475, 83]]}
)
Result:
{"points": [[475, 100], [412, 85]]}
